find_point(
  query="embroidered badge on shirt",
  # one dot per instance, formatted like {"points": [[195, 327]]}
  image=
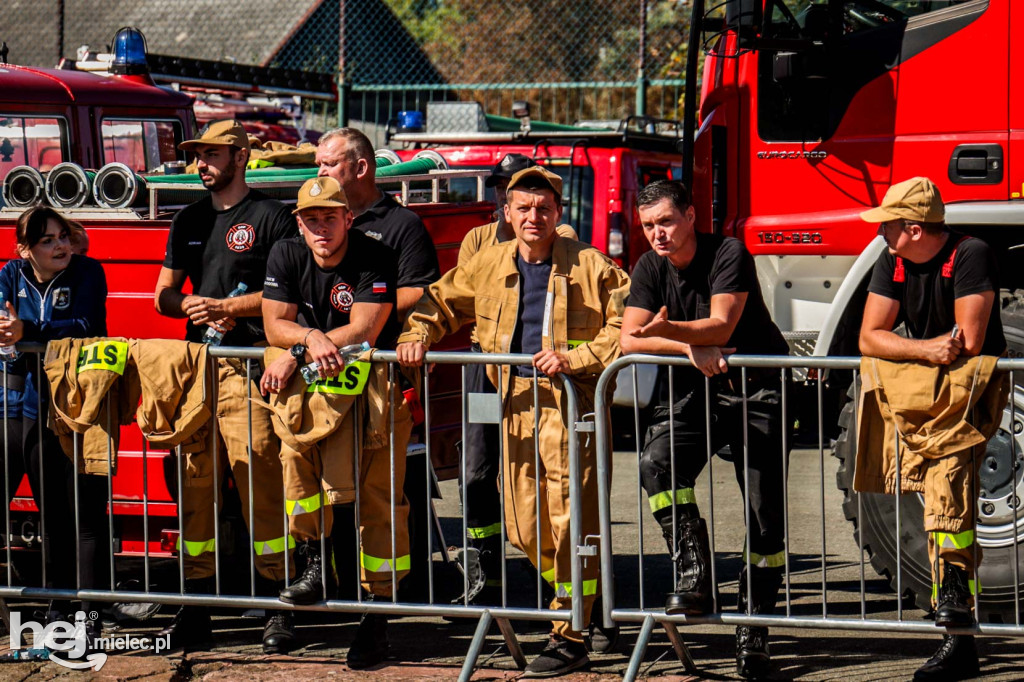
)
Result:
{"points": [[61, 298], [240, 237], [380, 287], [341, 297]]}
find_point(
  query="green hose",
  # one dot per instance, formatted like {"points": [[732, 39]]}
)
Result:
{"points": [[254, 177]]}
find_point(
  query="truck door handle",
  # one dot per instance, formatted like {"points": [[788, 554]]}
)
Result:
{"points": [[976, 164]]}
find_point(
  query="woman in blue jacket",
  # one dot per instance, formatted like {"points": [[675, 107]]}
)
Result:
{"points": [[52, 293]]}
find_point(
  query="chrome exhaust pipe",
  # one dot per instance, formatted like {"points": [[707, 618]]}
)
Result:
{"points": [[69, 185], [23, 187]]}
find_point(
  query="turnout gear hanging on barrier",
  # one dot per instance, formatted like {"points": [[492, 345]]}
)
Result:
{"points": [[941, 414], [585, 294], [94, 390]]}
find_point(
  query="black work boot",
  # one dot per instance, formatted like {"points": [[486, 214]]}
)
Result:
{"points": [[956, 659], [600, 640], [279, 632], [370, 646], [693, 591], [559, 657], [191, 624], [953, 602], [309, 588], [753, 659], [481, 563]]}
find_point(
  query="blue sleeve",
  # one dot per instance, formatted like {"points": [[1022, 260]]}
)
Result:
{"points": [[88, 315]]}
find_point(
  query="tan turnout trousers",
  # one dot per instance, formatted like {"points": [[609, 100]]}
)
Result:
{"points": [[232, 447], [521, 490]]}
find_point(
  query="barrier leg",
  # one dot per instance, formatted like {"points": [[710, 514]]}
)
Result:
{"points": [[682, 653], [475, 646], [639, 649], [512, 642]]}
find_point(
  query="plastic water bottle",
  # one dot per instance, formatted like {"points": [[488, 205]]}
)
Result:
{"points": [[6, 352], [214, 337], [348, 353]]}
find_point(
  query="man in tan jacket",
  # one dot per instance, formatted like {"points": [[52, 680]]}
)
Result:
{"points": [[944, 287], [560, 301], [479, 449]]}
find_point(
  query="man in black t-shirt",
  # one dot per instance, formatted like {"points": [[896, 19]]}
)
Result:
{"points": [[346, 155], [944, 288], [698, 294], [332, 288], [217, 243]]}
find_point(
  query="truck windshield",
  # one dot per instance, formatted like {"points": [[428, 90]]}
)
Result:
{"points": [[579, 212], [36, 142], [140, 145], [811, 20]]}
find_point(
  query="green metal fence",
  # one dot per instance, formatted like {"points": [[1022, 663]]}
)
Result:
{"points": [[579, 60]]}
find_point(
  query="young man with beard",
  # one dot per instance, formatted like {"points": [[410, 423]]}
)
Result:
{"points": [[217, 243]]}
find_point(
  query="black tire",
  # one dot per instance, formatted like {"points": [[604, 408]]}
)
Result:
{"points": [[873, 515]]}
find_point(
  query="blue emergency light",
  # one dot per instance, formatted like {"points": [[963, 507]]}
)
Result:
{"points": [[129, 49]]}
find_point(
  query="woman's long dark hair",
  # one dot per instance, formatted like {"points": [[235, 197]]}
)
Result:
{"points": [[32, 224]]}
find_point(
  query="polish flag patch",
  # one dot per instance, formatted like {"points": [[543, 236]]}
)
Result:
{"points": [[380, 287]]}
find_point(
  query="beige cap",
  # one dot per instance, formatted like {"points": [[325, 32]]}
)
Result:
{"points": [[916, 199], [226, 131], [548, 178], [323, 192]]}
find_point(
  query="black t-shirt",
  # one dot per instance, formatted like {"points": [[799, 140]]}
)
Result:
{"points": [[721, 265], [396, 226], [533, 291], [929, 290], [325, 296], [219, 249]]}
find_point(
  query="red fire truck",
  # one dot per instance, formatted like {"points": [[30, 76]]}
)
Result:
{"points": [[808, 111], [50, 117]]}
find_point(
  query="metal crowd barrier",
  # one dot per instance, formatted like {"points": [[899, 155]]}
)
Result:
{"points": [[649, 614], [485, 615]]}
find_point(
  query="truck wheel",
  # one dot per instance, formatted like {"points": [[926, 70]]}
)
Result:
{"points": [[873, 515]]}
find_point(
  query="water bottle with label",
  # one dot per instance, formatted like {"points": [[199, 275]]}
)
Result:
{"points": [[348, 353], [214, 337], [6, 352]]}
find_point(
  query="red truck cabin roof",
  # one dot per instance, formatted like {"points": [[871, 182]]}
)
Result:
{"points": [[599, 182], [49, 115]]}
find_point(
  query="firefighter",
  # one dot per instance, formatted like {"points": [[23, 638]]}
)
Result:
{"points": [[560, 301], [698, 294], [945, 288], [480, 448], [346, 155], [333, 288], [217, 243]]}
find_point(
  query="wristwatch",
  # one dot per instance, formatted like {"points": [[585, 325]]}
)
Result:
{"points": [[298, 351]]}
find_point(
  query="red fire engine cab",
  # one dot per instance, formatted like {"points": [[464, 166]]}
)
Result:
{"points": [[808, 111], [57, 127]]}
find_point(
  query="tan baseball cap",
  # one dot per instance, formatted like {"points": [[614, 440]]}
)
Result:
{"points": [[323, 192], [225, 131], [547, 177], [916, 199]]}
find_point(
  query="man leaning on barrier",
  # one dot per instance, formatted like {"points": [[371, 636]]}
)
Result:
{"points": [[944, 287], [335, 287], [698, 294], [561, 301], [480, 447], [218, 243]]}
